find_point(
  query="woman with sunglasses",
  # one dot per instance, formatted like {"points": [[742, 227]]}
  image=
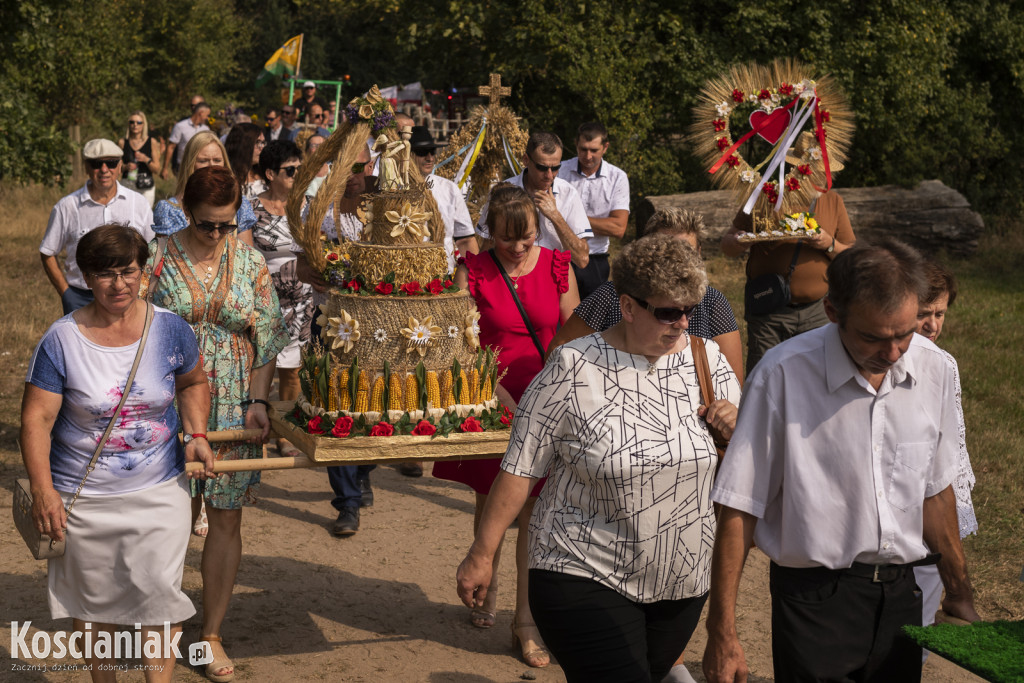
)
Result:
{"points": [[142, 155], [202, 150], [279, 162], [621, 538], [222, 288], [244, 144], [545, 285]]}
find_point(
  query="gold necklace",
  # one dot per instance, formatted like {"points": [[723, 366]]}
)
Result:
{"points": [[515, 278], [200, 263]]}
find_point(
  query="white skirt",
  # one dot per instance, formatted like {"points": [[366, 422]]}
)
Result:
{"points": [[124, 558]]}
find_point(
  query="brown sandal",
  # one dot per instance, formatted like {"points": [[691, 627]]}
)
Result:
{"points": [[218, 663]]}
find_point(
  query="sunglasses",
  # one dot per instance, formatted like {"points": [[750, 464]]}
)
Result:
{"points": [[271, 118], [223, 228], [134, 123], [544, 169], [96, 164], [424, 153], [289, 171], [288, 113], [316, 117], [359, 166], [666, 315]]}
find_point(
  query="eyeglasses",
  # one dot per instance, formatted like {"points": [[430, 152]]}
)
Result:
{"points": [[261, 143], [424, 153], [96, 164], [208, 227], [134, 123], [666, 315], [544, 169], [359, 166], [109, 277], [289, 171]]}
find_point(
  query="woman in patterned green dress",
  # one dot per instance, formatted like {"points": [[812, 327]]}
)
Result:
{"points": [[222, 288]]}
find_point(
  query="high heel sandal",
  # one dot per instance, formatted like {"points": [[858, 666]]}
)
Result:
{"points": [[538, 657], [481, 617], [218, 663]]}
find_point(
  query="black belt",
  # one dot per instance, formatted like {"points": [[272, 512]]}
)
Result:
{"points": [[796, 307], [599, 256], [884, 573]]}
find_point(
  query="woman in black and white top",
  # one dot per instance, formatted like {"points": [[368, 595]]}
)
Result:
{"points": [[621, 538], [712, 318]]}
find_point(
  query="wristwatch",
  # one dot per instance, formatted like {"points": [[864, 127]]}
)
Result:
{"points": [[189, 437], [831, 247]]}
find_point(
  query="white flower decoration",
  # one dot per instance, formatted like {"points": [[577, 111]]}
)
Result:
{"points": [[747, 176], [776, 98], [815, 153], [453, 331], [472, 329], [420, 334], [723, 109], [343, 329], [799, 88], [752, 97], [380, 335], [806, 88], [408, 221]]}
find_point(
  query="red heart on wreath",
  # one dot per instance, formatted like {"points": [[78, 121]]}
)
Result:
{"points": [[773, 124]]}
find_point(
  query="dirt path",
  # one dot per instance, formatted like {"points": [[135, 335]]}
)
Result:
{"points": [[379, 606]]}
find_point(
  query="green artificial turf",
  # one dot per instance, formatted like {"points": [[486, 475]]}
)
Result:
{"points": [[993, 650]]}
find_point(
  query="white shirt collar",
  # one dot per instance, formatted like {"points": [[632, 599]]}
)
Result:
{"points": [[84, 196], [840, 368]]}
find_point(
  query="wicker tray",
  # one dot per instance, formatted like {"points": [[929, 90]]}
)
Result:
{"points": [[375, 450], [775, 236]]}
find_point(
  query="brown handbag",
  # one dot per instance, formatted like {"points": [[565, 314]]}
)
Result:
{"points": [[707, 393], [40, 544]]}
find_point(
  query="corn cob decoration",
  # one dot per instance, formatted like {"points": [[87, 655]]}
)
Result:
{"points": [[377, 397], [332, 390], [362, 394], [411, 392], [474, 386], [447, 399], [344, 400], [395, 392], [486, 391], [433, 390], [464, 389]]}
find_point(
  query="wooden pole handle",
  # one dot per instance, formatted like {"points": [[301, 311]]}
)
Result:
{"points": [[258, 464], [223, 435]]}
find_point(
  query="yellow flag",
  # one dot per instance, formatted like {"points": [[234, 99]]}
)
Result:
{"points": [[285, 60]]}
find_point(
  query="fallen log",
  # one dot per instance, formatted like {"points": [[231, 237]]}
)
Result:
{"points": [[930, 216]]}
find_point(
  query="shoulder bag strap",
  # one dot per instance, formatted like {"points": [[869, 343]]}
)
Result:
{"points": [[707, 391], [792, 263], [519, 304], [120, 405]]}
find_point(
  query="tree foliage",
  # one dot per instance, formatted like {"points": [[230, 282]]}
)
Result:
{"points": [[936, 84]]}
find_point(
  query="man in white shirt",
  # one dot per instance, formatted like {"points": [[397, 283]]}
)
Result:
{"points": [[180, 135], [447, 194], [604, 190], [100, 201], [840, 470], [563, 220]]}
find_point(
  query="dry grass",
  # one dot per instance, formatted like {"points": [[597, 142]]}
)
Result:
{"points": [[985, 331]]}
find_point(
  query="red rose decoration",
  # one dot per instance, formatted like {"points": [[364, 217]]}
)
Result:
{"points": [[506, 416], [411, 288], [342, 427], [733, 161], [352, 285], [384, 288], [719, 125], [786, 89], [825, 116], [332, 257], [435, 286], [313, 426], [793, 184], [722, 143], [382, 429], [448, 283], [471, 424], [423, 428], [764, 94], [737, 95], [804, 170]]}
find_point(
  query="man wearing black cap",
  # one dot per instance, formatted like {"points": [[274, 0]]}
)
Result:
{"points": [[446, 193]]}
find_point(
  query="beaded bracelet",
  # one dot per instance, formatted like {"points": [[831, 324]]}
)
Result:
{"points": [[250, 401]]}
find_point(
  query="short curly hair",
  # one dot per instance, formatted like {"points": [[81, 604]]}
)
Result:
{"points": [[673, 221], [660, 266]]}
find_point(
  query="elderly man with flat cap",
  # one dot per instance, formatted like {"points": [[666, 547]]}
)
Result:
{"points": [[100, 201]]}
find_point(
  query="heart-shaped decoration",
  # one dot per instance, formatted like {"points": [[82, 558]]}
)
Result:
{"points": [[773, 125]]}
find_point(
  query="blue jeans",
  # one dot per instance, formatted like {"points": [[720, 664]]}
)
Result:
{"points": [[345, 484], [74, 298]]}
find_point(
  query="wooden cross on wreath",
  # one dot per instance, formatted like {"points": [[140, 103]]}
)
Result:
{"points": [[494, 90]]}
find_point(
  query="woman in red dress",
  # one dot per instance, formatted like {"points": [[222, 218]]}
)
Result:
{"points": [[546, 287]]}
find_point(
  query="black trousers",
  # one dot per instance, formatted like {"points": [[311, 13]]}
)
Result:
{"points": [[597, 634], [828, 625], [593, 276]]}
